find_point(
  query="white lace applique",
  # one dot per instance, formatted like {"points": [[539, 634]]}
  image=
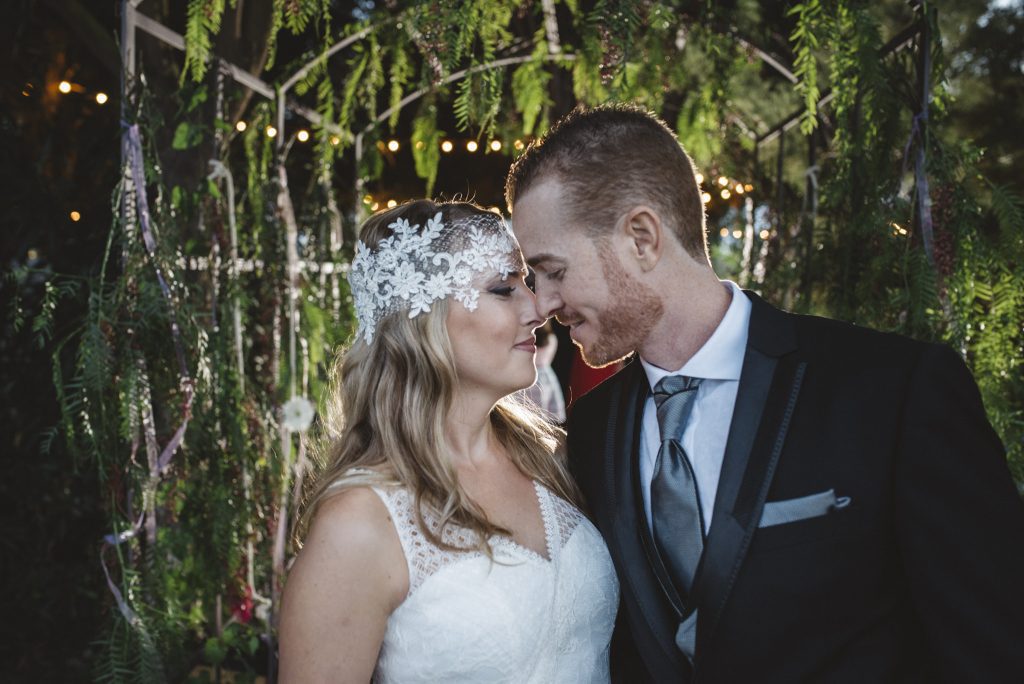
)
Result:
{"points": [[413, 268]]}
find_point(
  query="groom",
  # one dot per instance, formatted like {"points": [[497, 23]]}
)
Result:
{"points": [[786, 498]]}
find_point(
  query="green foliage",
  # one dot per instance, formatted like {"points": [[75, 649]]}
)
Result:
{"points": [[805, 63], [426, 145], [203, 21], [530, 88]]}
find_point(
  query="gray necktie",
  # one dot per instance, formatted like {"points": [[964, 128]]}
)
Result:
{"points": [[675, 504]]}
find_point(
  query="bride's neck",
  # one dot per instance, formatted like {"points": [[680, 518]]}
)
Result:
{"points": [[468, 431]]}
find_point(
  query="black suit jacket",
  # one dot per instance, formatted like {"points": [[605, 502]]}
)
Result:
{"points": [[919, 578]]}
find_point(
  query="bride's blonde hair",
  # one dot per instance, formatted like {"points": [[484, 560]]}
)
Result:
{"points": [[384, 422]]}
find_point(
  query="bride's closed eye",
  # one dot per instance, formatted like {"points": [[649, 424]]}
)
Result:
{"points": [[505, 291]]}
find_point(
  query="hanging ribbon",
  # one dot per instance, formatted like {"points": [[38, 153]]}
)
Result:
{"points": [[145, 227], [217, 171]]}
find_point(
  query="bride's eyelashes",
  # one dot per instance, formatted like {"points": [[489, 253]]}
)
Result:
{"points": [[503, 291]]}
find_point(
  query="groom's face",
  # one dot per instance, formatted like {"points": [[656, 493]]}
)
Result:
{"points": [[580, 280]]}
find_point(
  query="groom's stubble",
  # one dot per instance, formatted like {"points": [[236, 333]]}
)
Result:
{"points": [[633, 310]]}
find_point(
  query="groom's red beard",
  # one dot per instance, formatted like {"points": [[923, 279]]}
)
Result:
{"points": [[631, 314]]}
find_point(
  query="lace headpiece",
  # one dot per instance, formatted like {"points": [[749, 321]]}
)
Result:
{"points": [[412, 268]]}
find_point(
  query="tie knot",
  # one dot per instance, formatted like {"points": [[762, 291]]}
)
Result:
{"points": [[674, 384], [674, 396]]}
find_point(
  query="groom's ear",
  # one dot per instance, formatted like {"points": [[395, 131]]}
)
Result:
{"points": [[646, 234]]}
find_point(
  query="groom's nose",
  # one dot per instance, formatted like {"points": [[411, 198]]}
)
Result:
{"points": [[548, 301]]}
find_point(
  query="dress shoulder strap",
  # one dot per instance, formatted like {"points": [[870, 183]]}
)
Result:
{"points": [[422, 557]]}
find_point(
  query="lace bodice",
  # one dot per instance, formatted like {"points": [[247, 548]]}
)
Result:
{"points": [[520, 618]]}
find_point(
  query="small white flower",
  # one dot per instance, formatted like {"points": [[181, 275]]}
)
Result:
{"points": [[437, 286], [406, 280], [297, 414]]}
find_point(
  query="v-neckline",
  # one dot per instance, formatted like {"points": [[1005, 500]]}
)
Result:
{"points": [[543, 501]]}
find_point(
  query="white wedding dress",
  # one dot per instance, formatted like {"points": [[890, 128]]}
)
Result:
{"points": [[520, 618]]}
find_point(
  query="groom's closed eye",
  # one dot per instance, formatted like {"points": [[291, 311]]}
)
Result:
{"points": [[531, 280]]}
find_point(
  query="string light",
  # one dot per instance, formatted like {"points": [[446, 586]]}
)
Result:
{"points": [[271, 132], [897, 229], [447, 146], [764, 234], [739, 189], [723, 181], [302, 135], [241, 126], [101, 98], [393, 145], [699, 178], [724, 232], [75, 216], [368, 199], [748, 187], [375, 206], [705, 197], [737, 233], [495, 145], [472, 146], [335, 140], [518, 144], [392, 204], [64, 87], [726, 194], [420, 145]]}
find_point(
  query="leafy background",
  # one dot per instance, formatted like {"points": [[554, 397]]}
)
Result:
{"points": [[91, 382]]}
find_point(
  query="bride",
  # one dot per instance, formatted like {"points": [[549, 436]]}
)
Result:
{"points": [[443, 540]]}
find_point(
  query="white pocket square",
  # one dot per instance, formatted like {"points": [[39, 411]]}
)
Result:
{"points": [[802, 508]]}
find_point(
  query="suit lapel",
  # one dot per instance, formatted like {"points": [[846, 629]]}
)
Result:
{"points": [[768, 390], [621, 455]]}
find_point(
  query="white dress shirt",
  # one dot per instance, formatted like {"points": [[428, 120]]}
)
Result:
{"points": [[718, 363]]}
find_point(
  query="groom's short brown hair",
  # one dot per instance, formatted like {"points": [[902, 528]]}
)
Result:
{"points": [[610, 158]]}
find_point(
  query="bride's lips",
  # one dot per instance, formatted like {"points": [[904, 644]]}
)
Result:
{"points": [[527, 345]]}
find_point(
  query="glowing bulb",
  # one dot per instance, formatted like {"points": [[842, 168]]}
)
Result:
{"points": [[723, 181], [737, 233], [101, 98], [392, 204], [368, 199], [748, 187], [75, 216], [518, 144], [302, 135], [724, 232], [472, 146], [335, 140], [375, 206], [763, 234], [726, 194], [495, 145], [699, 178], [241, 126], [420, 145], [64, 87], [447, 146], [739, 189], [393, 145], [705, 197], [271, 132]]}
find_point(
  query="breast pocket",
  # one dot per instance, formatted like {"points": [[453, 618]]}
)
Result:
{"points": [[800, 520]]}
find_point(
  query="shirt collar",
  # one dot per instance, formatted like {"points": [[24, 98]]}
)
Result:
{"points": [[721, 357]]}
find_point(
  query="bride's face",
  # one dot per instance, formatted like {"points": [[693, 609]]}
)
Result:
{"points": [[494, 345]]}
